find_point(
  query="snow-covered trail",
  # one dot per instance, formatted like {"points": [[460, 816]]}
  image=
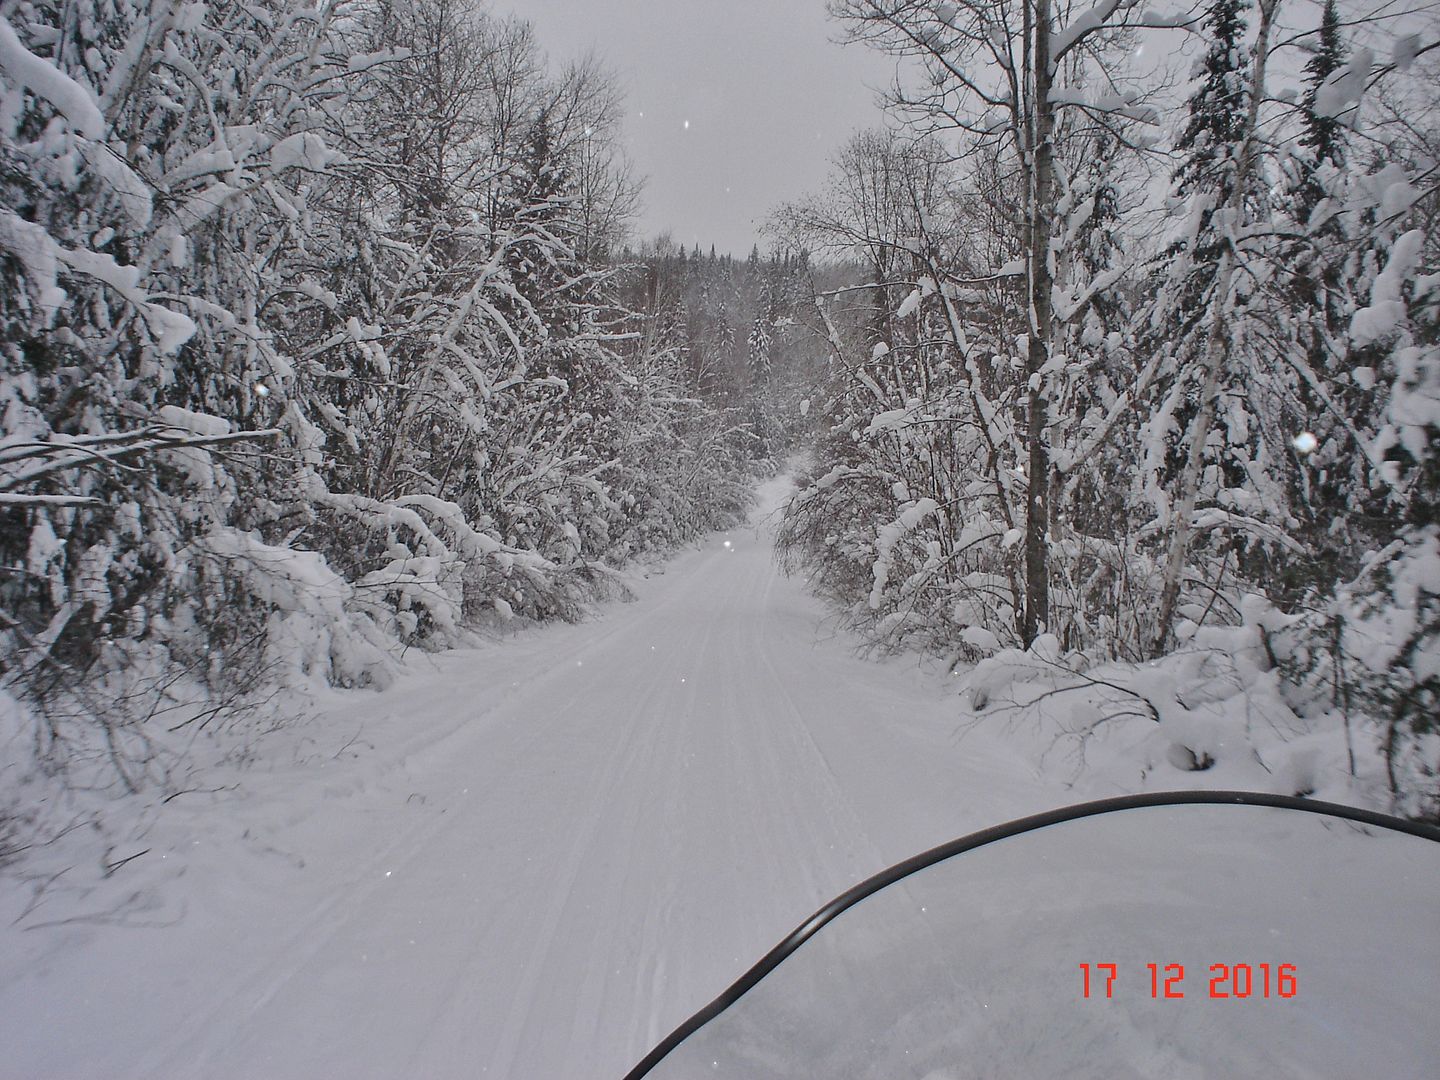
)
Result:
{"points": [[576, 839]]}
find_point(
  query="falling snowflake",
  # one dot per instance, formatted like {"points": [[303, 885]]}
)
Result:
{"points": [[1305, 443]]}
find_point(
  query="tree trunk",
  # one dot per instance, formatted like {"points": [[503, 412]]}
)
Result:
{"points": [[1214, 360], [1041, 280]]}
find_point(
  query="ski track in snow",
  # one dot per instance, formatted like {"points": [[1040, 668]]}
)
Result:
{"points": [[570, 842]]}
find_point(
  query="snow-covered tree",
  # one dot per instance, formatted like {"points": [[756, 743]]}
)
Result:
{"points": [[308, 348], [1203, 315], [1323, 136], [1017, 90]]}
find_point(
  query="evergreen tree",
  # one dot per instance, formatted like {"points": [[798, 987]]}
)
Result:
{"points": [[1329, 488], [758, 346], [1206, 319], [535, 209], [1323, 137], [1388, 620], [1214, 131], [1217, 109], [758, 363]]}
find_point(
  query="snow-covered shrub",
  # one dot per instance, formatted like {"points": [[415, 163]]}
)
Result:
{"points": [[153, 162], [1221, 711], [303, 614], [1375, 647], [1372, 656]]}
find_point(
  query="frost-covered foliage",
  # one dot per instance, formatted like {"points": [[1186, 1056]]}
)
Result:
{"points": [[1099, 385], [311, 347], [144, 148]]}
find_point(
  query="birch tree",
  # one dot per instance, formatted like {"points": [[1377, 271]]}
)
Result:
{"points": [[997, 78]]}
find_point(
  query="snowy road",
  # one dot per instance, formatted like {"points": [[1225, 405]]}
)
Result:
{"points": [[552, 851]]}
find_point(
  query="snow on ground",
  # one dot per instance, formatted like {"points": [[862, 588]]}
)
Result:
{"points": [[528, 860]]}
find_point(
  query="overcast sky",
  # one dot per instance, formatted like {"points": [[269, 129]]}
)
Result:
{"points": [[767, 96]]}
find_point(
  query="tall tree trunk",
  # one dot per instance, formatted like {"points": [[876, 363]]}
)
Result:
{"points": [[1041, 280], [1182, 515]]}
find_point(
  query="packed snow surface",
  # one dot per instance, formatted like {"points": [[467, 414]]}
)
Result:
{"points": [[528, 860]]}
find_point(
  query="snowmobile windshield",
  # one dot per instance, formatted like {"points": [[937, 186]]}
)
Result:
{"points": [[1219, 934]]}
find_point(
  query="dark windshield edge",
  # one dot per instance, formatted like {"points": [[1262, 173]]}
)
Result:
{"points": [[925, 859]]}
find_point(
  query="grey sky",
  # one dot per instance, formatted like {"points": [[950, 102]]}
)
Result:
{"points": [[768, 97]]}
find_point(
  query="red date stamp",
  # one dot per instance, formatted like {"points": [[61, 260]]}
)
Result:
{"points": [[1238, 981]]}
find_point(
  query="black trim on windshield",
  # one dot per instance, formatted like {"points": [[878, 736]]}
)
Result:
{"points": [[885, 878]]}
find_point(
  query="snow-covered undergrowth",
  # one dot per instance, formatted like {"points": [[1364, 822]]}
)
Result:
{"points": [[1243, 707], [1336, 702], [82, 798]]}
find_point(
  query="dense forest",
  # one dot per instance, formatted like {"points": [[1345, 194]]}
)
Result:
{"points": [[323, 336], [1148, 371], [318, 344]]}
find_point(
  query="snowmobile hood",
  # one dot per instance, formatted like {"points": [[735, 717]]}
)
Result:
{"points": [[1192, 933]]}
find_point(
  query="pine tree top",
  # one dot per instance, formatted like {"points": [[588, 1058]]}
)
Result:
{"points": [[1216, 121], [1324, 136]]}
